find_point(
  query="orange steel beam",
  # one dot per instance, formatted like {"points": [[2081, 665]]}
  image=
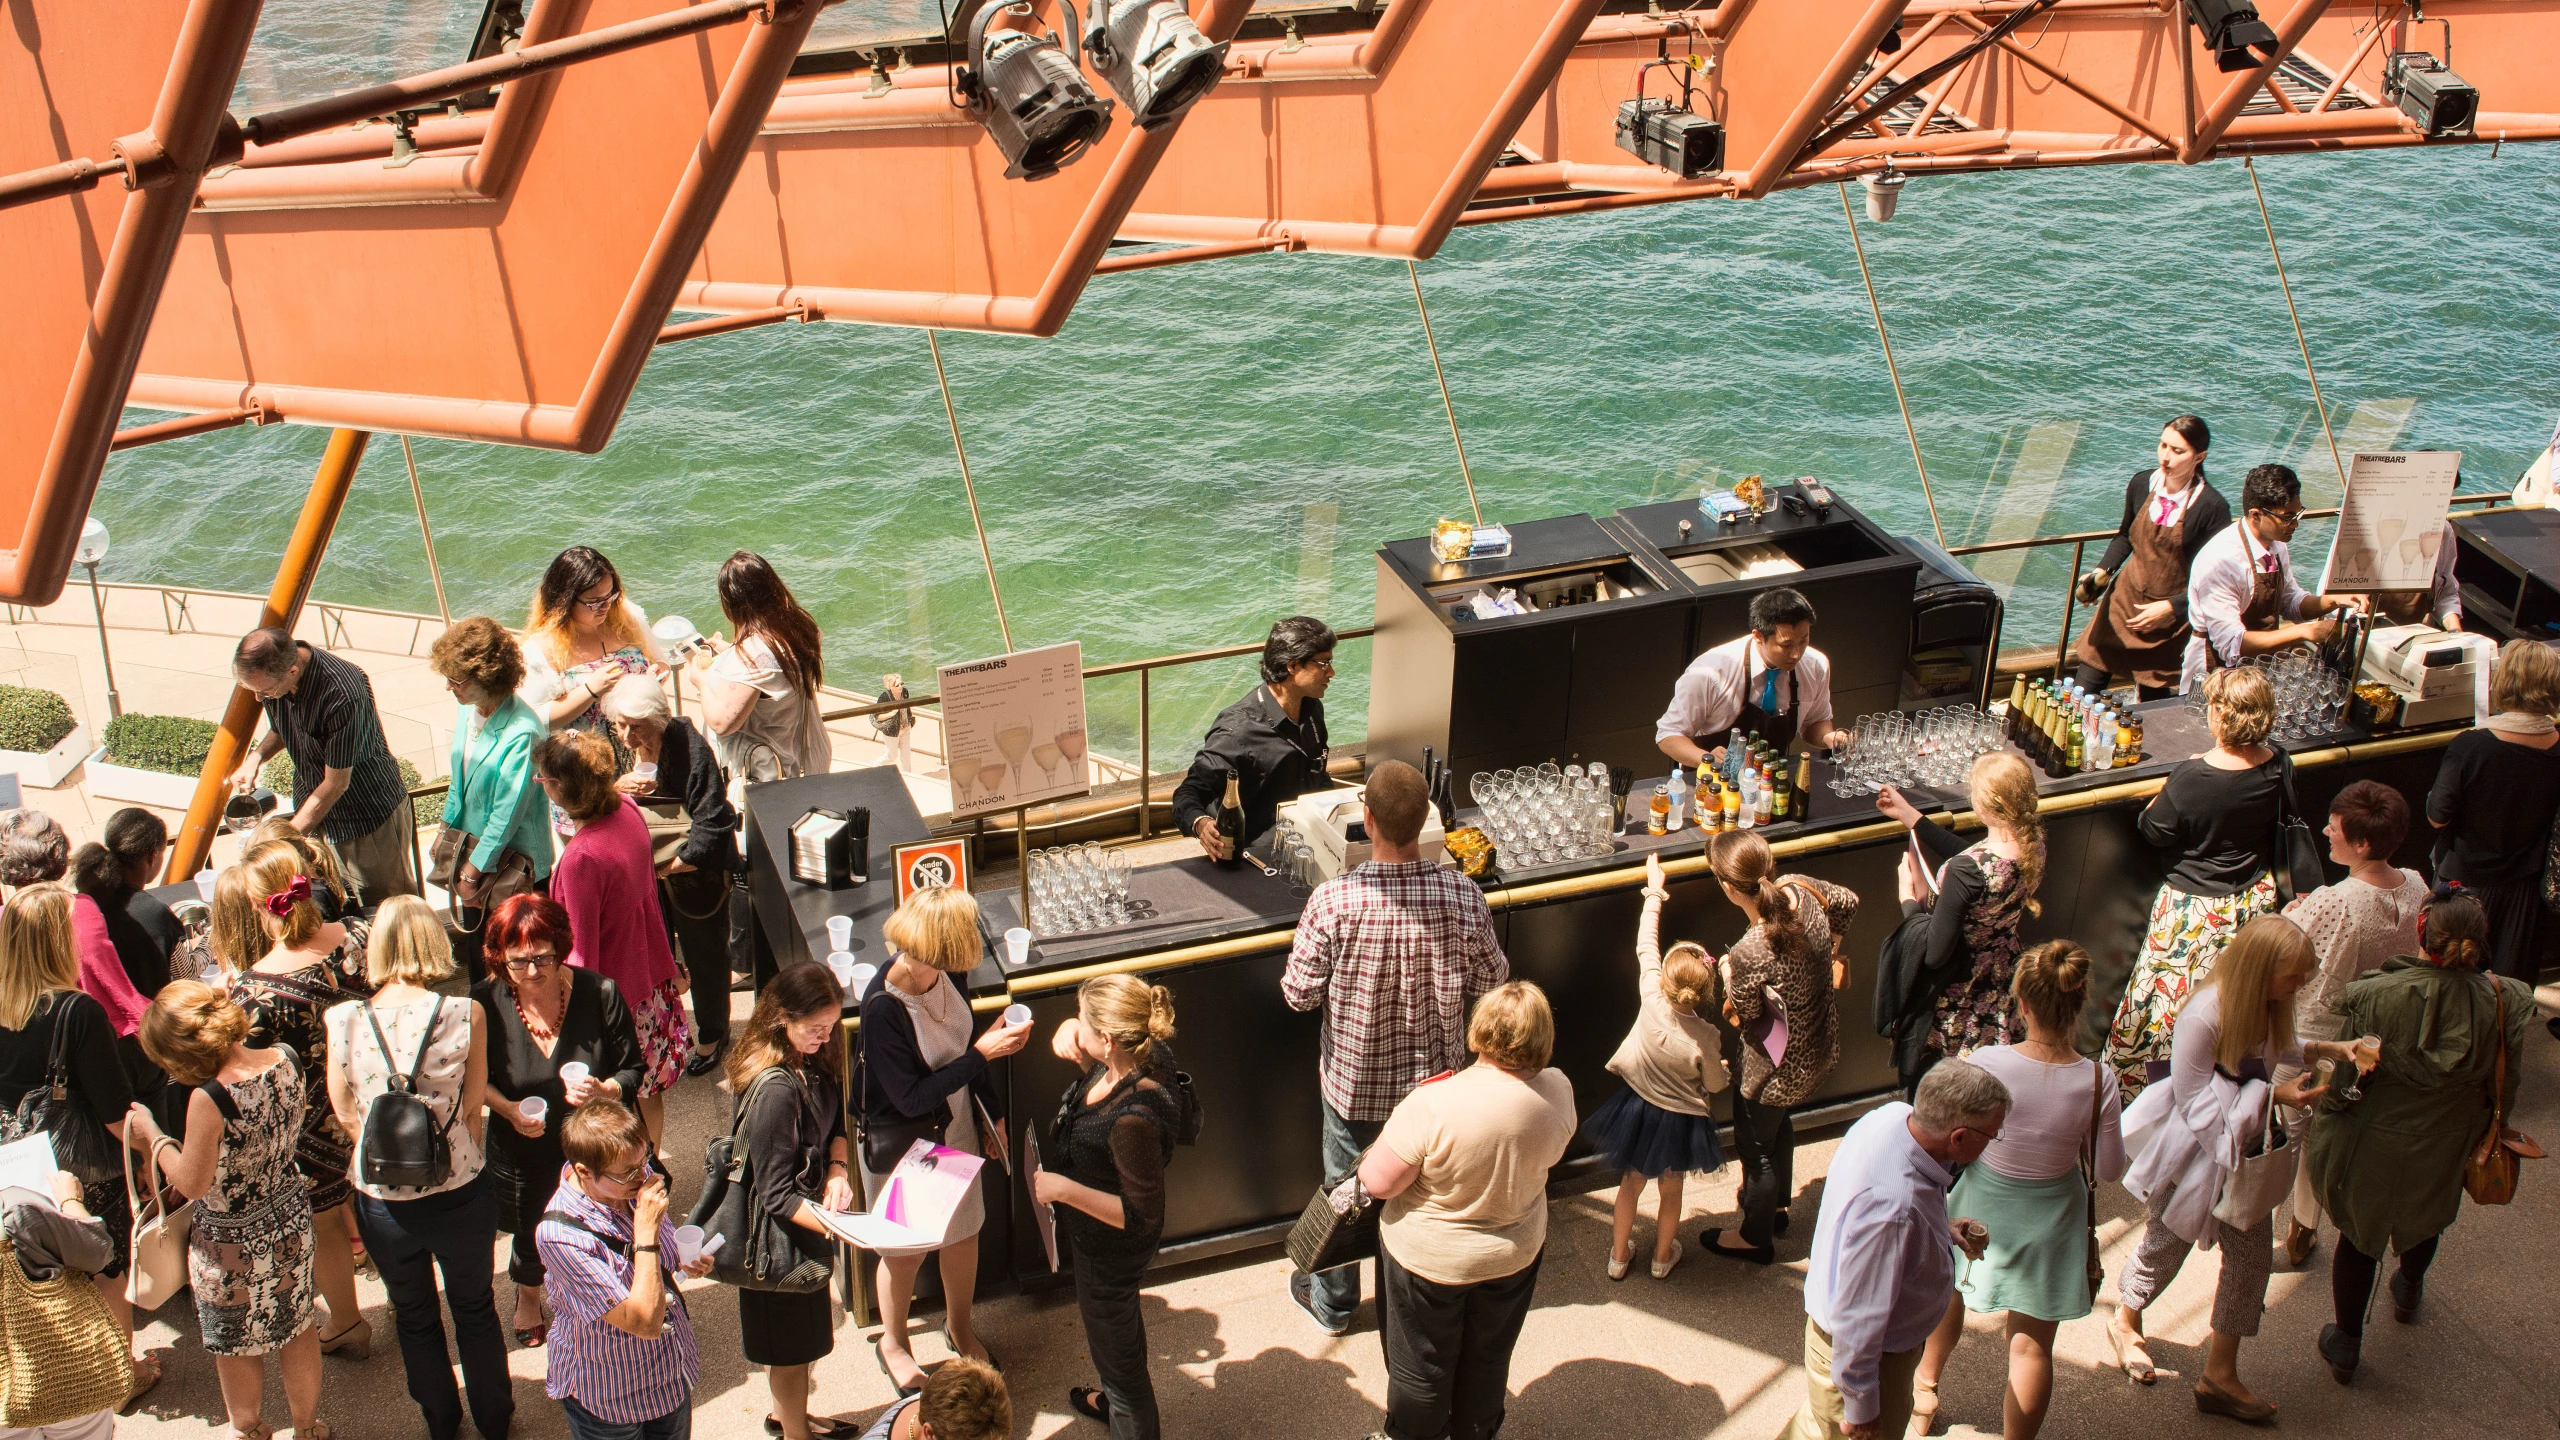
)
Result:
{"points": [[301, 561], [184, 426], [85, 314], [2235, 96], [696, 329]]}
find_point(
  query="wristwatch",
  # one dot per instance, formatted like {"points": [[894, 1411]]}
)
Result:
{"points": [[644, 1249]]}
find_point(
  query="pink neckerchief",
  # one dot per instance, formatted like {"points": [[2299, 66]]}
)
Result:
{"points": [[2171, 507]]}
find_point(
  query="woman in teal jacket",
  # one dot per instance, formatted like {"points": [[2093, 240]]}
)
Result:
{"points": [[493, 798]]}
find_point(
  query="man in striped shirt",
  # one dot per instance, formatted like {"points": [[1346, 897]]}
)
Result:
{"points": [[1393, 952], [347, 790], [621, 1358]]}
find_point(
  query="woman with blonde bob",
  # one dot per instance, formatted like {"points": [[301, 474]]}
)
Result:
{"points": [[2232, 1033], [2215, 819], [1661, 1128], [922, 1076], [1975, 903], [1115, 1132], [2496, 793], [1462, 1166]]}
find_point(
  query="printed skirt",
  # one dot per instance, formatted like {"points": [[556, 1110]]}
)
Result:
{"points": [[665, 1035], [2186, 936]]}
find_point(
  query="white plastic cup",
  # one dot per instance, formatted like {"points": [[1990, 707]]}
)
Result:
{"points": [[204, 885], [533, 1107], [1017, 1014], [688, 1244], [840, 933], [1017, 946], [644, 769], [858, 983], [841, 962], [573, 1072]]}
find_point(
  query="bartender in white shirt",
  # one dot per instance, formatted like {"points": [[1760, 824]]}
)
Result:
{"points": [[1771, 682], [2242, 596], [2440, 604]]}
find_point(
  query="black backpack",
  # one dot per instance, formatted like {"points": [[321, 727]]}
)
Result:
{"points": [[403, 1144]]}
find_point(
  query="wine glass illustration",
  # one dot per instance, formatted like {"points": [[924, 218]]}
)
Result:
{"points": [[1071, 745], [1045, 755], [2430, 543], [1015, 742], [964, 777], [991, 779]]}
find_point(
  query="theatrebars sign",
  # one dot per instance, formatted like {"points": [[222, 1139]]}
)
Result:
{"points": [[1015, 730]]}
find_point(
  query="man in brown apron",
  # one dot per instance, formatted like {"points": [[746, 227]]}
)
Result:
{"points": [[2242, 596], [2439, 605], [1771, 683]]}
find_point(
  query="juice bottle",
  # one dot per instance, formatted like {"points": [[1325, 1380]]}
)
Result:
{"points": [[1732, 808], [1659, 821]]}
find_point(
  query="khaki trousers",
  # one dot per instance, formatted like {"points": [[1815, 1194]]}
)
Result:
{"points": [[378, 863], [1820, 1419]]}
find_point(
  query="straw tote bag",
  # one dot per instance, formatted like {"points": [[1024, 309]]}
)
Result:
{"points": [[62, 1355], [158, 1269]]}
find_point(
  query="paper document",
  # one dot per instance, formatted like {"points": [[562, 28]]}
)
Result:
{"points": [[1043, 1218], [916, 1204], [29, 1163], [987, 1135], [1921, 867]]}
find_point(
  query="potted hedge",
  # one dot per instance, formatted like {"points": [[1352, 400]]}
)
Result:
{"points": [[151, 759], [40, 741]]}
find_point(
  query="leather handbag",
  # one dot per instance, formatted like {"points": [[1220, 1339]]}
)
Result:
{"points": [[755, 1253], [158, 1268], [2296, 861], [2260, 1182], [2489, 1176], [81, 1144], [62, 1354], [1337, 1228], [511, 876], [2089, 1177], [668, 827]]}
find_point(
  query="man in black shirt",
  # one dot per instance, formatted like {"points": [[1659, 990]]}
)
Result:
{"points": [[347, 790], [1273, 740]]}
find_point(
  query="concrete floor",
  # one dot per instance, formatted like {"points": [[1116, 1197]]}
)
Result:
{"points": [[1711, 1352]]}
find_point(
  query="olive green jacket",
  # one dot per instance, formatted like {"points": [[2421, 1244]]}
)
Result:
{"points": [[2388, 1167]]}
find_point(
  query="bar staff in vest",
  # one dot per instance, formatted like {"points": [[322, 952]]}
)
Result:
{"points": [[1273, 740], [1771, 681], [2242, 597], [2170, 511], [2440, 604]]}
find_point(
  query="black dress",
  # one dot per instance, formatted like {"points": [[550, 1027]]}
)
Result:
{"points": [[1118, 1146], [98, 1081], [595, 1030], [787, 1133], [145, 933], [2495, 804]]}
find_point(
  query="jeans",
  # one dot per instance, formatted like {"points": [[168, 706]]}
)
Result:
{"points": [[410, 1241], [702, 945], [1764, 1138], [1449, 1350], [676, 1424], [1336, 1292], [1116, 1334], [2352, 1273]]}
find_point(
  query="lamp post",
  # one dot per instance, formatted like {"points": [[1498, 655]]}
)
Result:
{"points": [[93, 549]]}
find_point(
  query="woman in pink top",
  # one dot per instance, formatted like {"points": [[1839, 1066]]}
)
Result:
{"points": [[605, 880]]}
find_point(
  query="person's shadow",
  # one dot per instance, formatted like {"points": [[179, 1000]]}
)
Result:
{"points": [[1571, 1398]]}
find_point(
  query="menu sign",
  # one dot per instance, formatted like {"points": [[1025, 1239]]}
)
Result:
{"points": [[1015, 729], [2392, 525]]}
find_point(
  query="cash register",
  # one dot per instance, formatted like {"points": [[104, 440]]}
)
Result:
{"points": [[1330, 819], [2437, 674]]}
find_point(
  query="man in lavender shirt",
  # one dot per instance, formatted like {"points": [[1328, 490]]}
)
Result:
{"points": [[621, 1360], [1883, 1252]]}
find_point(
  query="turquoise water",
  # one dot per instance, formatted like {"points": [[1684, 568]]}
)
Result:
{"points": [[1206, 447]]}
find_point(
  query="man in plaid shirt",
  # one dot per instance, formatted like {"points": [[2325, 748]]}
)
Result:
{"points": [[1394, 952]]}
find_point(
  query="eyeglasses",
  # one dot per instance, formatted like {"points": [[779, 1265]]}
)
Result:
{"points": [[632, 1176], [531, 964], [2283, 517], [598, 607]]}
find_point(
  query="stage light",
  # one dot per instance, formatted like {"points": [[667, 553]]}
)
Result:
{"points": [[1154, 57], [2442, 102], [1884, 192], [2231, 30], [1024, 87], [1669, 133]]}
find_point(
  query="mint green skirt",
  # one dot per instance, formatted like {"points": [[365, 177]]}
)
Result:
{"points": [[2038, 1261]]}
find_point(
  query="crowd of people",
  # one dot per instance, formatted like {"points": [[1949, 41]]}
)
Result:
{"points": [[336, 1076]]}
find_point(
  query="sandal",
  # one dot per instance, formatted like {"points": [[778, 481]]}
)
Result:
{"points": [[1090, 1403], [257, 1431], [146, 1373], [1924, 1406], [2132, 1355], [316, 1430], [533, 1337]]}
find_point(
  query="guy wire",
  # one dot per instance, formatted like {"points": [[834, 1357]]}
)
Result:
{"points": [[1443, 376], [934, 343], [1889, 369]]}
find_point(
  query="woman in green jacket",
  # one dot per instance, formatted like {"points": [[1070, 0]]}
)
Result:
{"points": [[493, 799], [2388, 1164]]}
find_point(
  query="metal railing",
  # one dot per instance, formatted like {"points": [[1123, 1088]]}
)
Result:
{"points": [[2080, 540]]}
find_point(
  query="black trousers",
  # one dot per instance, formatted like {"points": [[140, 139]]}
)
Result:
{"points": [[696, 907], [2352, 1273], [454, 1232], [1764, 1138], [1449, 1350], [1115, 1333], [2093, 679]]}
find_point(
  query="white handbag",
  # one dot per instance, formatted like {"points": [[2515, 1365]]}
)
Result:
{"points": [[158, 1269], [2261, 1182]]}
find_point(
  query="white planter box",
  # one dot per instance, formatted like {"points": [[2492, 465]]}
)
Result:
{"points": [[138, 787], [48, 770]]}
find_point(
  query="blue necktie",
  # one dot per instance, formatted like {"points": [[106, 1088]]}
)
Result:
{"points": [[1769, 690]]}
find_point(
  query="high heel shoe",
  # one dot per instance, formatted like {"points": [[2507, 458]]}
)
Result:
{"points": [[355, 1342], [2212, 1399]]}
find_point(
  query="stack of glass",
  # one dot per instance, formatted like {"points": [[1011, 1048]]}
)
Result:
{"points": [[1078, 887], [1934, 748], [2311, 698], [1546, 814], [1294, 857]]}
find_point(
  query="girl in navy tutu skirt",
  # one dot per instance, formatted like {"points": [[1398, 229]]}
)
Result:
{"points": [[1659, 1128]]}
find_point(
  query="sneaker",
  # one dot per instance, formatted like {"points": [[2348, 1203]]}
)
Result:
{"points": [[1302, 1293]]}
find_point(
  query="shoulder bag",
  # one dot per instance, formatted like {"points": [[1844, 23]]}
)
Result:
{"points": [[2295, 857], [1337, 1228], [755, 1252], [2260, 1182], [158, 1269], [62, 1354], [2089, 1176], [2551, 869], [403, 1144], [2489, 1176], [81, 1143]]}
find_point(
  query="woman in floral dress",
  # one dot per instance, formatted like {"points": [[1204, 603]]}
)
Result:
{"points": [[583, 636], [249, 1254], [1976, 902]]}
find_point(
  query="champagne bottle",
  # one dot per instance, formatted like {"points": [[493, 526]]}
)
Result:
{"points": [[1231, 822], [1804, 788]]}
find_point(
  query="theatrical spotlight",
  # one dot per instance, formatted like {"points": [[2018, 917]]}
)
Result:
{"points": [[2231, 30], [1023, 85], [1670, 133], [2439, 100], [1154, 57]]}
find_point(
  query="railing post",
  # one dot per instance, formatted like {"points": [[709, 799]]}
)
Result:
{"points": [[2070, 591], [1146, 765]]}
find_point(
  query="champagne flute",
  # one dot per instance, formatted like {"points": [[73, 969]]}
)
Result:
{"points": [[1046, 755], [1071, 745]]}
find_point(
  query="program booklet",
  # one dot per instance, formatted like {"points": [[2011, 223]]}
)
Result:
{"points": [[916, 1205]]}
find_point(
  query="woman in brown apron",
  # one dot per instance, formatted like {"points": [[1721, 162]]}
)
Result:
{"points": [[2140, 628]]}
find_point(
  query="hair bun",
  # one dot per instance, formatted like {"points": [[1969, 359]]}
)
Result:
{"points": [[1159, 1013]]}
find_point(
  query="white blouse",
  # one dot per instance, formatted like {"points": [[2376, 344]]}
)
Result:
{"points": [[2355, 927]]}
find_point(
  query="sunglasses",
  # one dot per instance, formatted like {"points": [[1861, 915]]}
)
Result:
{"points": [[632, 1176], [598, 607]]}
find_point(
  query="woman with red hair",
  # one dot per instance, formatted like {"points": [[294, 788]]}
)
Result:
{"points": [[544, 1015]]}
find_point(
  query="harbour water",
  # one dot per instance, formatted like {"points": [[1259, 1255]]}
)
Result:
{"points": [[1208, 446]]}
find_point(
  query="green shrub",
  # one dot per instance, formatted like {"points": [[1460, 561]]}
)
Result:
{"points": [[428, 809], [169, 744], [33, 720]]}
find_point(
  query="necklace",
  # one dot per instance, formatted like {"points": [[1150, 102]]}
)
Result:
{"points": [[539, 1025], [2069, 1055]]}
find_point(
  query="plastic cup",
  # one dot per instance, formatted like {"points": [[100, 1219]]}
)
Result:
{"points": [[573, 1072], [859, 984], [204, 886], [1017, 1014], [688, 1244], [841, 962], [645, 769], [533, 1108], [1017, 946], [840, 933]]}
